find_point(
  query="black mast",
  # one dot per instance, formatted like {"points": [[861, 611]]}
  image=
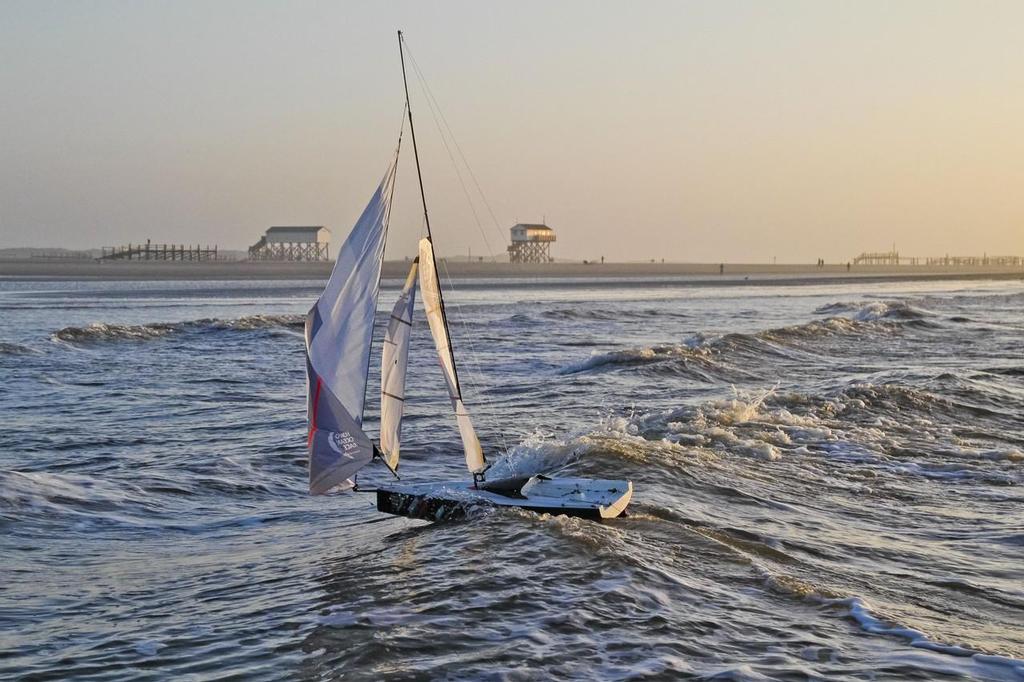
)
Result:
{"points": [[426, 217]]}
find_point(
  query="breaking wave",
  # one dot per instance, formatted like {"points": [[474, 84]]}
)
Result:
{"points": [[868, 429], [99, 332], [538, 453], [707, 356], [634, 356], [876, 310], [858, 318], [697, 359]]}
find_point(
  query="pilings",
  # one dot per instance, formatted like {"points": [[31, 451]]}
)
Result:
{"points": [[289, 251], [150, 251]]}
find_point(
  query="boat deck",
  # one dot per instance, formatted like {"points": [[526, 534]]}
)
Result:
{"points": [[586, 498]]}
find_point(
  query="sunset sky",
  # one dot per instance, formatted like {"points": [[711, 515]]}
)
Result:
{"points": [[690, 131]]}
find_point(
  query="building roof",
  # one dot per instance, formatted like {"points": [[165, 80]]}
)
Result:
{"points": [[533, 226], [296, 228]]}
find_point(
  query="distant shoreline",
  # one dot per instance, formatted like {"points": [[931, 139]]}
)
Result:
{"points": [[693, 273]]}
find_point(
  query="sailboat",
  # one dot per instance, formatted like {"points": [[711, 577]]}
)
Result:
{"points": [[338, 339]]}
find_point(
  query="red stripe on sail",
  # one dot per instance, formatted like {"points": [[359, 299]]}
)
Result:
{"points": [[316, 404]]}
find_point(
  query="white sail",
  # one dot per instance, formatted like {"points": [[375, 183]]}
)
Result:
{"points": [[339, 330], [394, 361], [431, 287]]}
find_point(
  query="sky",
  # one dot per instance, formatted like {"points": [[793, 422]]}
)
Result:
{"points": [[690, 131]]}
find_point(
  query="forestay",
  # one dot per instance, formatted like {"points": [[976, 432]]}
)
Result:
{"points": [[431, 287], [339, 331], [394, 364]]}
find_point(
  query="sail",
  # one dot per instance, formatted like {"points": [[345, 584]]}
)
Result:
{"points": [[431, 287], [339, 331], [393, 363]]}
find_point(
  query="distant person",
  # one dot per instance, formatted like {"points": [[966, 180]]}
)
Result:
{"points": [[847, 266], [721, 268], [602, 260]]}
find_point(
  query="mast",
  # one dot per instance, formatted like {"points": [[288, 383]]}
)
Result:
{"points": [[426, 216]]}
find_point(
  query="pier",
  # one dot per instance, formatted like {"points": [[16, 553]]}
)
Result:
{"points": [[884, 258], [157, 252], [975, 261], [984, 261]]}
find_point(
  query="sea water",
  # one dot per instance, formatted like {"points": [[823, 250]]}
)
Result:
{"points": [[828, 484]]}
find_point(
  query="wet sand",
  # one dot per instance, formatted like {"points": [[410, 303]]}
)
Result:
{"points": [[737, 273]]}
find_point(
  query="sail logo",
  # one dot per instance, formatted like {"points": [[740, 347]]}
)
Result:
{"points": [[344, 442]]}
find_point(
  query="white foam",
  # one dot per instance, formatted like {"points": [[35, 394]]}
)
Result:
{"points": [[149, 647], [538, 453]]}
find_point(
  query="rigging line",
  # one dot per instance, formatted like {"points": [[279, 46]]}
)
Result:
{"points": [[475, 360], [426, 217], [455, 165], [458, 148]]}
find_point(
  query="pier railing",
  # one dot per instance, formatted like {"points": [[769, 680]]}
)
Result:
{"points": [[155, 252]]}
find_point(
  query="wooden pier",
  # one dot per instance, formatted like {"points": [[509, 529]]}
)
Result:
{"points": [[894, 258], [884, 258], [150, 251], [974, 261]]}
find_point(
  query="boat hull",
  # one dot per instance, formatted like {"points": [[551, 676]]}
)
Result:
{"points": [[598, 500]]}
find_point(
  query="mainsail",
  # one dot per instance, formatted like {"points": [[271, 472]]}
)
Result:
{"points": [[393, 364], [339, 331], [432, 304]]}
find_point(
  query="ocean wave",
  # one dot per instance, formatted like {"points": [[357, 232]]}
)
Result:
{"points": [[892, 399], [860, 611], [51, 492], [16, 349], [99, 332], [538, 453], [666, 440], [868, 430], [744, 424], [602, 314], [710, 353], [695, 359], [869, 311], [870, 620], [629, 356], [874, 317], [896, 310], [819, 329], [699, 358], [1007, 371], [835, 308]]}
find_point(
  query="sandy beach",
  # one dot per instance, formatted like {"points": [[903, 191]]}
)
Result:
{"points": [[734, 273]]}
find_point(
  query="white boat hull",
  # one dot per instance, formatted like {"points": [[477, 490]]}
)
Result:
{"points": [[586, 498]]}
